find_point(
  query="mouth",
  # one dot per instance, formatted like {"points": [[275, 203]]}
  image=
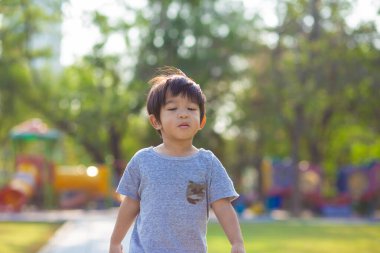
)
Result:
{"points": [[183, 125]]}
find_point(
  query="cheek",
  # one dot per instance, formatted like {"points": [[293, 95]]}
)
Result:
{"points": [[196, 119], [166, 118], [197, 115]]}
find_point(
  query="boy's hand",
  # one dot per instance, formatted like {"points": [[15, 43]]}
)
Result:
{"points": [[116, 248], [237, 248]]}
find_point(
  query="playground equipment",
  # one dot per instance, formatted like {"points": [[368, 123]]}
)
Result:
{"points": [[24, 183], [278, 182], [76, 185], [39, 181], [358, 188], [361, 186]]}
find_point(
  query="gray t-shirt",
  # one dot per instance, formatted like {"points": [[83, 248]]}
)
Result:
{"points": [[174, 194]]}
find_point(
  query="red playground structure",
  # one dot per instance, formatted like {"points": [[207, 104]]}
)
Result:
{"points": [[37, 180]]}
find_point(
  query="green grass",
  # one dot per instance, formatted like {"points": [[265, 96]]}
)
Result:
{"points": [[276, 237], [23, 237], [300, 237]]}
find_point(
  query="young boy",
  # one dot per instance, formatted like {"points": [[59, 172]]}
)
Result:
{"points": [[171, 186]]}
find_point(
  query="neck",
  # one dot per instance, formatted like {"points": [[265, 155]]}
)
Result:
{"points": [[176, 149]]}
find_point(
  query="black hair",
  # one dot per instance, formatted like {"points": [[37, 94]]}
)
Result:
{"points": [[173, 81]]}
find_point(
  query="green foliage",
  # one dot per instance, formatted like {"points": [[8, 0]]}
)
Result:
{"points": [[298, 237], [310, 93], [310, 80], [20, 22], [203, 38]]}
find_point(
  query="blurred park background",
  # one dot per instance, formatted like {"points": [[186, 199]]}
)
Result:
{"points": [[293, 92]]}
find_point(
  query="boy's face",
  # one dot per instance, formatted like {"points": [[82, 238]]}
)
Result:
{"points": [[179, 118]]}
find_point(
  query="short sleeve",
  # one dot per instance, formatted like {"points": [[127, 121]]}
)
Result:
{"points": [[220, 184], [130, 181]]}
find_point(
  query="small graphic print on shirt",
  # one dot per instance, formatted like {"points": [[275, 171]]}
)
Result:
{"points": [[195, 193]]}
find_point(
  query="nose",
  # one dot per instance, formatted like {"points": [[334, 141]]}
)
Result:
{"points": [[182, 114]]}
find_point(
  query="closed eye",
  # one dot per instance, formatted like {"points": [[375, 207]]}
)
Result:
{"points": [[192, 109], [172, 109]]}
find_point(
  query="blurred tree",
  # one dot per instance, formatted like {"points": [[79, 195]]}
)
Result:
{"points": [[303, 81], [93, 101], [288, 90], [20, 23], [208, 40], [104, 89]]}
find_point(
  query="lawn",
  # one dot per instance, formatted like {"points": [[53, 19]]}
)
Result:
{"points": [[24, 237], [300, 237], [270, 237]]}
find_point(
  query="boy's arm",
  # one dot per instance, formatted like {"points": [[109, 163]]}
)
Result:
{"points": [[228, 220], [128, 210]]}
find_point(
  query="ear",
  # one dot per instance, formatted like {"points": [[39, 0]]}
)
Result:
{"points": [[154, 122], [203, 122]]}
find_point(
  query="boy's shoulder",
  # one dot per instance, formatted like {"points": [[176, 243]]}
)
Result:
{"points": [[142, 152], [206, 152], [207, 155]]}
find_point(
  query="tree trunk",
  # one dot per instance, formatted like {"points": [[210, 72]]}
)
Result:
{"points": [[296, 133], [115, 146]]}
